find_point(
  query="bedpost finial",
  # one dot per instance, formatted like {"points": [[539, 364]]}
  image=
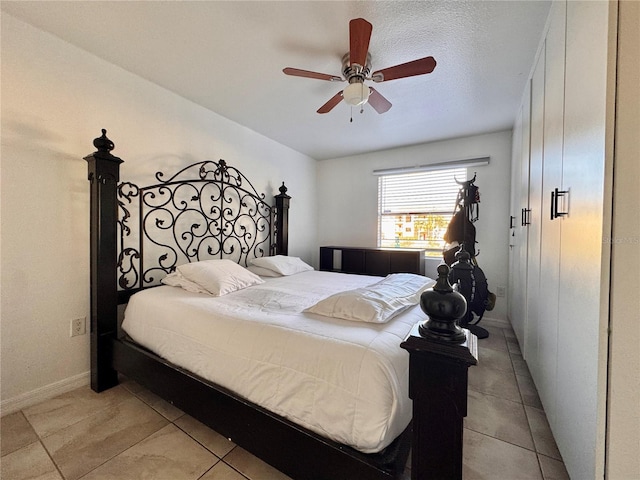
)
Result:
{"points": [[442, 283], [103, 144], [283, 194], [444, 306], [103, 152]]}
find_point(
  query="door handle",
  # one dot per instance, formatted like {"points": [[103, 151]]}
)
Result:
{"points": [[555, 195]]}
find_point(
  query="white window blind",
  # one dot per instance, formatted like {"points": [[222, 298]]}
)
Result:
{"points": [[414, 209]]}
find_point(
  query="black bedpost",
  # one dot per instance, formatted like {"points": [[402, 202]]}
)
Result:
{"points": [[104, 174], [440, 354], [282, 221]]}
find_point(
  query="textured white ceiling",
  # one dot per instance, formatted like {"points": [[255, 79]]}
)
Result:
{"points": [[228, 56]]}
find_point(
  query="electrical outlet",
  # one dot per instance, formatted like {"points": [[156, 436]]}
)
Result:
{"points": [[501, 291], [78, 326]]}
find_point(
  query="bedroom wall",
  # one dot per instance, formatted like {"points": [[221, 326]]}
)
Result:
{"points": [[623, 402], [55, 100], [348, 192]]}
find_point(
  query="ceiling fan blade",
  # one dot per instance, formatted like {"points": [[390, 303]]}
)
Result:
{"points": [[359, 36], [409, 69], [378, 102], [335, 100], [296, 72]]}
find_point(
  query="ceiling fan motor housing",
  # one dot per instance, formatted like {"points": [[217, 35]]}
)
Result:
{"points": [[354, 72]]}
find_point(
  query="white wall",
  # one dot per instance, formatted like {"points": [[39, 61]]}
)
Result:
{"points": [[348, 192], [55, 100], [623, 408]]}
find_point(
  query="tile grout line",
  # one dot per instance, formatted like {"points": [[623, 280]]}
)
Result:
{"points": [[504, 441], [535, 445], [521, 403], [533, 440], [199, 442], [237, 471], [220, 459], [119, 453], [40, 439], [210, 468], [75, 421], [510, 353], [497, 396], [173, 422], [44, 447], [232, 467]]}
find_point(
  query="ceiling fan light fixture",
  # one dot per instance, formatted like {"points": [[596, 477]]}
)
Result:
{"points": [[356, 93]]}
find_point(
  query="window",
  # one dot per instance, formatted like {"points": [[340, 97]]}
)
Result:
{"points": [[414, 209]]}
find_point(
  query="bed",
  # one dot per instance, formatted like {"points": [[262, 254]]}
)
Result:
{"points": [[277, 363]]}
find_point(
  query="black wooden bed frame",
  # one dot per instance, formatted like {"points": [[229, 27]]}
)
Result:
{"points": [[438, 371]]}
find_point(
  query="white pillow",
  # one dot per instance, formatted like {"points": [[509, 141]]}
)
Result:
{"points": [[177, 280], [377, 303], [219, 277], [263, 272], [282, 264]]}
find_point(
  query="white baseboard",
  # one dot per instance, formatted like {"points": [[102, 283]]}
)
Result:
{"points": [[38, 395]]}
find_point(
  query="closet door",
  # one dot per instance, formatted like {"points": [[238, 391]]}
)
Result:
{"points": [[584, 268], [522, 229], [551, 228], [514, 203], [518, 240], [534, 218]]}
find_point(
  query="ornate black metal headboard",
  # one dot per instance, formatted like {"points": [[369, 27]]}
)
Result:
{"points": [[220, 228], [206, 210]]}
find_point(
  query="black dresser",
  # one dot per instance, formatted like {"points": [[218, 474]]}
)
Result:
{"points": [[372, 261]]}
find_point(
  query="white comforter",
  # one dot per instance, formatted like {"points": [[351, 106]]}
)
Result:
{"points": [[345, 380]]}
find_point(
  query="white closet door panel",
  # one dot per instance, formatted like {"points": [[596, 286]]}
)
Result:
{"points": [[583, 280], [521, 232], [550, 234], [535, 204], [514, 202]]}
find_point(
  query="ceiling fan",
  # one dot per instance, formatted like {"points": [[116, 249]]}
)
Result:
{"points": [[356, 65]]}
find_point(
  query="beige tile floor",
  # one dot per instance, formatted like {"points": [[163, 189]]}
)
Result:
{"points": [[129, 433]]}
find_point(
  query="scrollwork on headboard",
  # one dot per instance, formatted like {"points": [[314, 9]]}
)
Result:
{"points": [[139, 234], [206, 210]]}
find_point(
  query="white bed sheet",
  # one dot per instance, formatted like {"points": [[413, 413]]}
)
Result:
{"points": [[347, 381]]}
